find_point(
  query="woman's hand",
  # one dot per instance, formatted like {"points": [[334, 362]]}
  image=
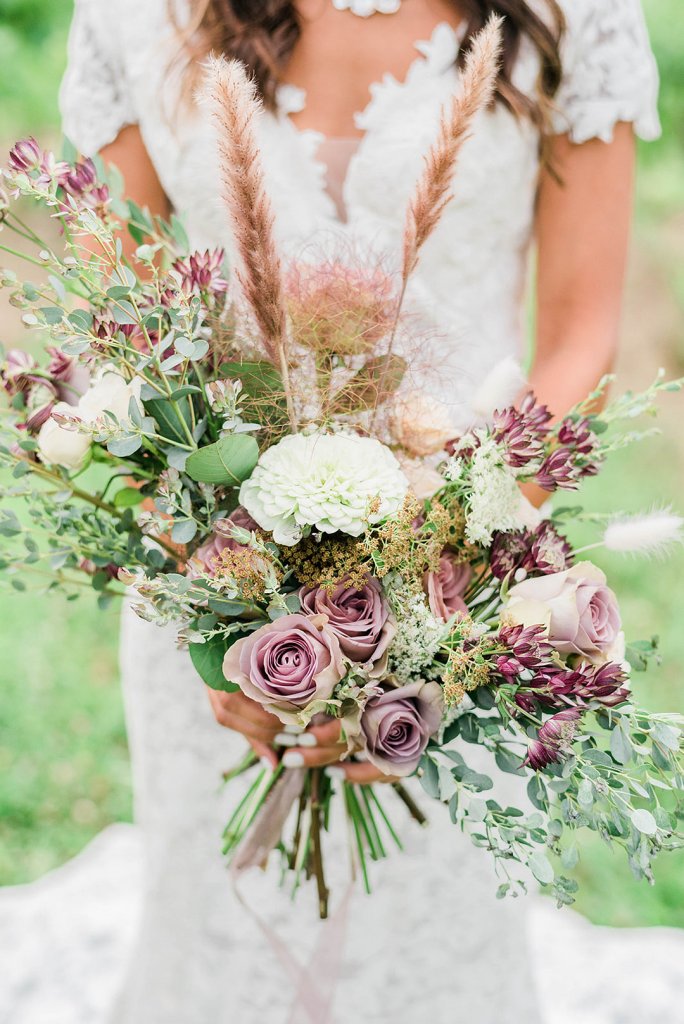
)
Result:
{"points": [[238, 712], [320, 746]]}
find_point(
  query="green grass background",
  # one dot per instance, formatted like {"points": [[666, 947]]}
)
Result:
{"points": [[63, 759]]}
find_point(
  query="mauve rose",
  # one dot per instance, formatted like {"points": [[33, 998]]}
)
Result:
{"points": [[204, 559], [286, 664], [446, 587], [397, 726], [360, 619], [579, 612]]}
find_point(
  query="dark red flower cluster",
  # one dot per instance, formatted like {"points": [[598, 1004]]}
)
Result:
{"points": [[553, 740], [575, 458], [526, 650], [543, 550], [201, 272], [585, 685], [522, 431], [81, 183]]}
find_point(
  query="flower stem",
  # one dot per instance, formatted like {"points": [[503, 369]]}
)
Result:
{"points": [[317, 852]]}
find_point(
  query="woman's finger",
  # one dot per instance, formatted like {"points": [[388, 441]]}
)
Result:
{"points": [[313, 757], [264, 753], [327, 734], [364, 774], [241, 706]]}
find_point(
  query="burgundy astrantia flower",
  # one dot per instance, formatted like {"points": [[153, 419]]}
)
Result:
{"points": [[574, 459], [202, 272], [70, 376], [554, 739], [445, 587], [25, 156], [397, 726], [81, 183], [527, 650], [586, 684], [359, 618], [522, 431], [543, 550]]}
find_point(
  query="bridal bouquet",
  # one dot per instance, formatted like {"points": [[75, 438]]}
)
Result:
{"points": [[245, 451]]}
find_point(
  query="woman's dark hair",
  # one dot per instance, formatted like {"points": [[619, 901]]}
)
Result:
{"points": [[263, 33]]}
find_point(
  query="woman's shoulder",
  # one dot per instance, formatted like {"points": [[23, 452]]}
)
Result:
{"points": [[114, 45], [609, 71]]}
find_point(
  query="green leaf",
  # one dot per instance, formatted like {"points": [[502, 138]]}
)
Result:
{"points": [[570, 857], [208, 662], [127, 497], [644, 822], [508, 762], [430, 777], [540, 866], [536, 791], [230, 460], [125, 446], [170, 418], [620, 746]]}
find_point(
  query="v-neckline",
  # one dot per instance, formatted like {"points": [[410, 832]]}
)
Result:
{"points": [[292, 99]]}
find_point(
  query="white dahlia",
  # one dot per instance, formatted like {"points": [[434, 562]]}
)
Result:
{"points": [[328, 482]]}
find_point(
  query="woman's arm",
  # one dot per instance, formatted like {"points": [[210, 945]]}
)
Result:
{"points": [[141, 184], [583, 224]]}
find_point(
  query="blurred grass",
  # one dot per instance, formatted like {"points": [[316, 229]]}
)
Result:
{"points": [[63, 760]]}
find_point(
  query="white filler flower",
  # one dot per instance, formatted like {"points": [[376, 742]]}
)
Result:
{"points": [[329, 482]]}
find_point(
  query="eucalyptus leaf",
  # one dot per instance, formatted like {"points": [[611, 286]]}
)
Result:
{"points": [[644, 822], [207, 659], [540, 866], [230, 460]]}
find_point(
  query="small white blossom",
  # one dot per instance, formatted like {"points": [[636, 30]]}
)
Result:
{"points": [[418, 635], [453, 470], [326, 482], [496, 502]]}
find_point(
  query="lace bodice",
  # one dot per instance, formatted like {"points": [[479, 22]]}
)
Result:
{"points": [[469, 285]]}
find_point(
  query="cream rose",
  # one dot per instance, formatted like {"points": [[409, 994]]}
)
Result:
{"points": [[59, 446], [421, 425], [577, 609]]}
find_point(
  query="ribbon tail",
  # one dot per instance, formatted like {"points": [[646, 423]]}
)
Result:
{"points": [[265, 831]]}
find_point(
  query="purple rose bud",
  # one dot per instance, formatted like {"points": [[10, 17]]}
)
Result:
{"points": [[446, 587], [397, 726], [553, 739], [359, 618], [25, 155], [287, 664]]}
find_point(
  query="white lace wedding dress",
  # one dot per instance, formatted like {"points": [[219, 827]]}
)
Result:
{"points": [[433, 944]]}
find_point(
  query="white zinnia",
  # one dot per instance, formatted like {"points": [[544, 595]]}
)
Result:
{"points": [[324, 481], [648, 534], [496, 502]]}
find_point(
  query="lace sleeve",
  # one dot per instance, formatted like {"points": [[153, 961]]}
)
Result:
{"points": [[94, 98], [610, 71]]}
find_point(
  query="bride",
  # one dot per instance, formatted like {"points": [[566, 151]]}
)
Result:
{"points": [[352, 91]]}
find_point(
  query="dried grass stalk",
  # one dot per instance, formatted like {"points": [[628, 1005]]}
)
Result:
{"points": [[433, 190], [235, 107]]}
